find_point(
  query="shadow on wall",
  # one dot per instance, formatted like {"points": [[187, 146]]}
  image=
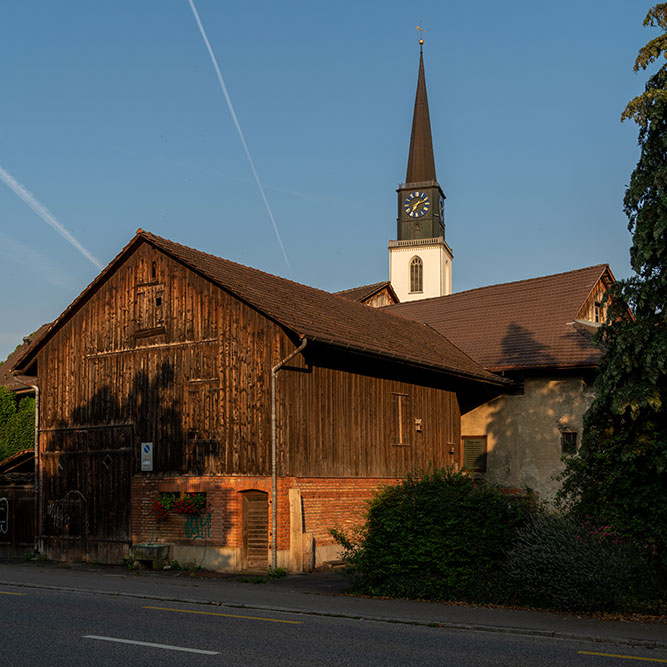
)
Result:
{"points": [[524, 431], [89, 460]]}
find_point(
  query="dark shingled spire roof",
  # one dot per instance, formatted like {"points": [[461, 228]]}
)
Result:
{"points": [[421, 163]]}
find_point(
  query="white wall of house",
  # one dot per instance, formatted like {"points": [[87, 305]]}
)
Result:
{"points": [[524, 432]]}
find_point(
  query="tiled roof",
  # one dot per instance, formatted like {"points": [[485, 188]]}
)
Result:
{"points": [[6, 378], [518, 325], [364, 291], [20, 462], [318, 315]]}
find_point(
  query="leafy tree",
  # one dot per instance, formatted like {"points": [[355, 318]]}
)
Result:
{"points": [[17, 423], [620, 474]]}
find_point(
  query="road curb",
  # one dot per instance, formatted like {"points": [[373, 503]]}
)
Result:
{"points": [[449, 625]]}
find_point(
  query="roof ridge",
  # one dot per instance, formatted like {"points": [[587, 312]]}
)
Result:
{"points": [[511, 282], [528, 280], [149, 235], [354, 289]]}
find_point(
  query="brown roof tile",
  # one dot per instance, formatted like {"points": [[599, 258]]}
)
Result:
{"points": [[363, 292], [518, 325], [318, 315], [6, 378]]}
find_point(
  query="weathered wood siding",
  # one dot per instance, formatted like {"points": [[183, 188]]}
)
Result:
{"points": [[593, 309], [339, 416], [159, 354], [198, 390], [17, 515]]}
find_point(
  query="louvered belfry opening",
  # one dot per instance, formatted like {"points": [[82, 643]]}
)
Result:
{"points": [[255, 530]]}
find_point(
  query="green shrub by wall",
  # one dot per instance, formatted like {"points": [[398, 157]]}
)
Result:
{"points": [[439, 535], [558, 563]]}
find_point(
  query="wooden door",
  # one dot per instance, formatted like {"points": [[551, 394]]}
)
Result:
{"points": [[255, 530], [85, 502]]}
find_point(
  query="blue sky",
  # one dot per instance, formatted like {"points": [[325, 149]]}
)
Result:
{"points": [[112, 117]]}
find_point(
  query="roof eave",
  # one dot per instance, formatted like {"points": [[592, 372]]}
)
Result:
{"points": [[546, 367], [369, 352]]}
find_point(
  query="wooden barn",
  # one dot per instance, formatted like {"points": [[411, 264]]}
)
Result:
{"points": [[259, 412]]}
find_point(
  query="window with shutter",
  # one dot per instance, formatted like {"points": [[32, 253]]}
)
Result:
{"points": [[149, 309], [568, 443], [474, 453]]}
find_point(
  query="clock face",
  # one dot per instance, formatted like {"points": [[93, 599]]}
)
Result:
{"points": [[417, 204]]}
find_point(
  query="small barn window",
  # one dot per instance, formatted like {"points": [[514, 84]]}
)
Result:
{"points": [[149, 309], [474, 453], [153, 271], [416, 275], [568, 443]]}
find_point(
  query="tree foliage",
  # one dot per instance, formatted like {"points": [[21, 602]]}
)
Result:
{"points": [[620, 474], [17, 423]]}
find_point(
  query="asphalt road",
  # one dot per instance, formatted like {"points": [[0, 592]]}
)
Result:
{"points": [[53, 627]]}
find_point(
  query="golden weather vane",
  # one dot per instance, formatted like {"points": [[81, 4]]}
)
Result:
{"points": [[421, 41]]}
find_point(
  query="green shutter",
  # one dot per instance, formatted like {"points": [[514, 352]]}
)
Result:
{"points": [[474, 454]]}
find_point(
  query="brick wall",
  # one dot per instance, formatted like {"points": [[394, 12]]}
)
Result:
{"points": [[326, 502]]}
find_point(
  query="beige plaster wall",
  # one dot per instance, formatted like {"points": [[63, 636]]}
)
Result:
{"points": [[523, 432]]}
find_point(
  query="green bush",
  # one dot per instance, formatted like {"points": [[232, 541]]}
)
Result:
{"points": [[558, 563], [440, 535]]}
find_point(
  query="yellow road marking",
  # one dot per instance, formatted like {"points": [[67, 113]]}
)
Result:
{"points": [[626, 657], [213, 613], [9, 593]]}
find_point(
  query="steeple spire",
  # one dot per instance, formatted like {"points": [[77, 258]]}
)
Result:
{"points": [[421, 163], [420, 261]]}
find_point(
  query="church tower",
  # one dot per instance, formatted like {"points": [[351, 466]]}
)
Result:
{"points": [[420, 261]]}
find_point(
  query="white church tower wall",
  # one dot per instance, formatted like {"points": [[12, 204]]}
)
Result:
{"points": [[432, 258]]}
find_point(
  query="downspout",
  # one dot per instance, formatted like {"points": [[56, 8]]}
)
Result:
{"points": [[38, 474], [274, 447]]}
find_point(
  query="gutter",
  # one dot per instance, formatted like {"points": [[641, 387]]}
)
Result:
{"points": [[38, 473], [274, 448]]}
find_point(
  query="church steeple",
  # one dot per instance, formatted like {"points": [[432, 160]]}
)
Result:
{"points": [[421, 163], [420, 259]]}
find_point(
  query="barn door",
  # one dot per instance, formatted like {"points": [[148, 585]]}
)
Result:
{"points": [[85, 502], [17, 518], [255, 530]]}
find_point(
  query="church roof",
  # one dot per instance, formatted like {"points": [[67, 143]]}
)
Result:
{"points": [[364, 292], [528, 324], [421, 162], [320, 316]]}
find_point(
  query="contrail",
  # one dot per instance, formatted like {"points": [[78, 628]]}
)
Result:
{"points": [[44, 213], [238, 127]]}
